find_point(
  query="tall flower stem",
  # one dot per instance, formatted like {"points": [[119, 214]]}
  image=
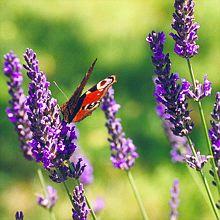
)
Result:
{"points": [[43, 185], [68, 192], [204, 180], [137, 195], [205, 129], [88, 204]]}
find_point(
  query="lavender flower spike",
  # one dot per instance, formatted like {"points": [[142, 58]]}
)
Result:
{"points": [[80, 210], [170, 91], [53, 139], [123, 151], [174, 202], [50, 200], [17, 112], [186, 29], [214, 132]]}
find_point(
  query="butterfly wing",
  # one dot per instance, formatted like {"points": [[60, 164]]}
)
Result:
{"points": [[91, 99], [68, 108]]}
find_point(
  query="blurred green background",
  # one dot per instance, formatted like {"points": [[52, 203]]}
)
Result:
{"points": [[67, 36]]}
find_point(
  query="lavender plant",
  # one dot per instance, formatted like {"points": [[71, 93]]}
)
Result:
{"points": [[172, 93], [186, 34], [49, 139], [123, 151]]}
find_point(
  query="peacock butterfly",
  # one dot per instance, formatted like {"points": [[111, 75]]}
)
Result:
{"points": [[80, 106]]}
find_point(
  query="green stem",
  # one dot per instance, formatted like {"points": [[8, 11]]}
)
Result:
{"points": [[52, 215], [42, 182], [204, 180], [43, 185], [216, 177], [68, 192], [137, 195]]}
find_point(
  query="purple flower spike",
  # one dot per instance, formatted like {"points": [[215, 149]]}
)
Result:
{"points": [[17, 112], [197, 162], [174, 202], [123, 151], [80, 210], [186, 29], [53, 139], [214, 132], [50, 200], [170, 91]]}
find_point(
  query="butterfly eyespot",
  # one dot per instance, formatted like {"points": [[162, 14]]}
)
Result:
{"points": [[92, 106], [104, 83]]}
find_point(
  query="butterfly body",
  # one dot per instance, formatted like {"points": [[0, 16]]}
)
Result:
{"points": [[80, 106]]}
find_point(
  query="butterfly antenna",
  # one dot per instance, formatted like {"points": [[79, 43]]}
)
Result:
{"points": [[60, 90]]}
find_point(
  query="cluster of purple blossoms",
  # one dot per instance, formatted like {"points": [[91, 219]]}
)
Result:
{"points": [[168, 92], [86, 177], [201, 90], [80, 209], [174, 202], [180, 146], [214, 132], [186, 29], [198, 161], [49, 200], [123, 151], [17, 112], [53, 139]]}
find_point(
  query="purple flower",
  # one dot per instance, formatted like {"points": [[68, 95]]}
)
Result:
{"points": [[98, 205], [17, 112], [174, 202], [169, 90], [86, 177], [49, 200], [80, 210], [197, 162], [53, 139], [201, 90], [19, 215], [214, 131], [186, 29], [123, 151]]}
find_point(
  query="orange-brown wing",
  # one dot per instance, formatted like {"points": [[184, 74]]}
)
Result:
{"points": [[91, 99], [68, 108]]}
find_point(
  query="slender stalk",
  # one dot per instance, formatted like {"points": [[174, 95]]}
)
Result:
{"points": [[137, 195], [43, 185], [204, 180], [68, 192], [88, 204], [42, 182], [216, 177]]}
